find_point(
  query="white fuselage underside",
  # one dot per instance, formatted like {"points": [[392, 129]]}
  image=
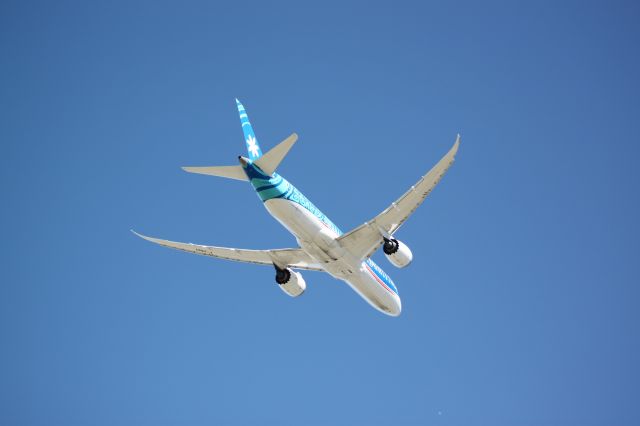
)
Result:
{"points": [[319, 242]]}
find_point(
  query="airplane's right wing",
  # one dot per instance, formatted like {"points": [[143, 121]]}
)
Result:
{"points": [[293, 257], [364, 240]]}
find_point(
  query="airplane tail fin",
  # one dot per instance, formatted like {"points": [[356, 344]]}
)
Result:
{"points": [[267, 162], [249, 137]]}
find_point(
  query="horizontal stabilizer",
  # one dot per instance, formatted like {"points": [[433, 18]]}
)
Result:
{"points": [[231, 172], [270, 161]]}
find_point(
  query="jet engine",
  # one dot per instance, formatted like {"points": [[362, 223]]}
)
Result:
{"points": [[291, 282], [397, 253]]}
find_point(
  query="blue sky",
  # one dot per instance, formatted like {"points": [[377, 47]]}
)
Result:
{"points": [[521, 306]]}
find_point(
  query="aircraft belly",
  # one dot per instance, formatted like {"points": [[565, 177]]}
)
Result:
{"points": [[292, 216], [318, 241], [375, 294]]}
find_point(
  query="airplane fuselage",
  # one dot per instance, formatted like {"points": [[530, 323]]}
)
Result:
{"points": [[317, 236]]}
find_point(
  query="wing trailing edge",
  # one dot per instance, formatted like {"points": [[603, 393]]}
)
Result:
{"points": [[292, 257]]}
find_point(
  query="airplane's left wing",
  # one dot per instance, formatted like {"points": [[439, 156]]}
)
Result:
{"points": [[292, 257]]}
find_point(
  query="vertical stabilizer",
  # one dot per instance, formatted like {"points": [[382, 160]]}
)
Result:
{"points": [[249, 137]]}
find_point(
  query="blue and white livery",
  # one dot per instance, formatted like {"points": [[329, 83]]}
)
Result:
{"points": [[322, 245]]}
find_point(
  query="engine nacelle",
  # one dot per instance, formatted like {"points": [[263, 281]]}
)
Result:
{"points": [[398, 253], [290, 282]]}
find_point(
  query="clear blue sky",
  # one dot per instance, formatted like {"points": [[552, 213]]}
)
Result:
{"points": [[521, 306]]}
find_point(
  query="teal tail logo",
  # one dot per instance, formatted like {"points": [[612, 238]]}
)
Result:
{"points": [[249, 137]]}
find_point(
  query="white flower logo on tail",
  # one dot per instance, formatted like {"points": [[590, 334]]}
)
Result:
{"points": [[252, 146]]}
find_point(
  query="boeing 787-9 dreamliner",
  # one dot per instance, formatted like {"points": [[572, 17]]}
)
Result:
{"points": [[323, 246]]}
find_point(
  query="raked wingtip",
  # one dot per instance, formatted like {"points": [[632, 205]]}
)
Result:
{"points": [[456, 144], [139, 235]]}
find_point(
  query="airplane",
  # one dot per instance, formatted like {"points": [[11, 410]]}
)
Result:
{"points": [[322, 245]]}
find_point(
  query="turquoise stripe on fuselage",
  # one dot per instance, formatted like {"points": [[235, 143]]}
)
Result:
{"points": [[275, 186]]}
